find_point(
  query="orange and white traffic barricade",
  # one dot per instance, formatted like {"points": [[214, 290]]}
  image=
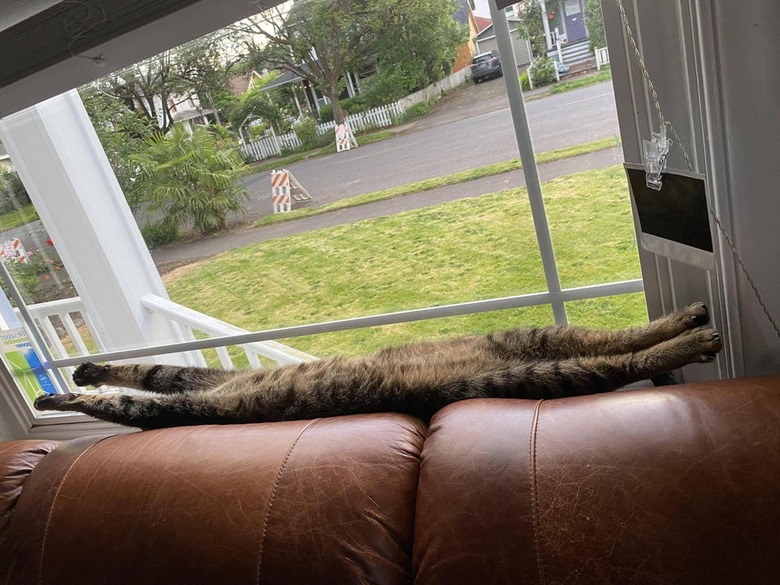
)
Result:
{"points": [[280, 191], [344, 138]]}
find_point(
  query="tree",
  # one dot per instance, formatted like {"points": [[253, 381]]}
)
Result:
{"points": [[418, 51], [190, 178], [594, 19], [531, 26], [153, 87], [321, 40], [256, 102]]}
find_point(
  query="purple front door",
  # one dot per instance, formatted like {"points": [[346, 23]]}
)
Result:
{"points": [[575, 20]]}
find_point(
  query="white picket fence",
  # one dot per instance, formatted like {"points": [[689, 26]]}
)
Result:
{"points": [[380, 117], [268, 145], [271, 144]]}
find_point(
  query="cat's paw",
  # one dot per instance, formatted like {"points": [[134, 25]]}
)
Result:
{"points": [[694, 315], [704, 344], [54, 401], [89, 374]]}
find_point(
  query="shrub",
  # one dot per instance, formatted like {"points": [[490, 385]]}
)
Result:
{"points": [[525, 85], [326, 113], [307, 133], [355, 105], [542, 71], [26, 280], [13, 195], [191, 178], [160, 234], [595, 21], [416, 111]]}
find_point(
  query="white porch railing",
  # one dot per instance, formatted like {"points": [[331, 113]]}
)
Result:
{"points": [[66, 328], [199, 322], [57, 320], [602, 57]]}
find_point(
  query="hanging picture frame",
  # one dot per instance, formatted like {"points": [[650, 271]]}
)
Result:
{"points": [[674, 221]]}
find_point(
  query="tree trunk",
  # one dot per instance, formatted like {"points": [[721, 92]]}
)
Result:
{"points": [[338, 112]]}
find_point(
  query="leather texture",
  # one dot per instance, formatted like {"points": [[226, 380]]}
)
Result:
{"points": [[667, 486], [17, 460], [672, 486]]}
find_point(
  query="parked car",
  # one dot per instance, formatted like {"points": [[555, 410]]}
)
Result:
{"points": [[485, 65]]}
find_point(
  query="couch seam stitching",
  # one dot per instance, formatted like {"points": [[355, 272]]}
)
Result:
{"points": [[54, 505], [278, 480], [534, 493]]}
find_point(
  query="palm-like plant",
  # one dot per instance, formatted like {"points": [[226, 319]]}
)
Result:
{"points": [[190, 177]]}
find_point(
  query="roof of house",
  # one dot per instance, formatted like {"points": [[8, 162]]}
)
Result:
{"points": [[489, 33], [482, 23]]}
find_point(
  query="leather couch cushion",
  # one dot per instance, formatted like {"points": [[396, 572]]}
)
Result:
{"points": [[648, 486], [324, 501], [17, 460]]}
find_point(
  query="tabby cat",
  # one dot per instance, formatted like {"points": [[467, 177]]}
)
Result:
{"points": [[417, 379]]}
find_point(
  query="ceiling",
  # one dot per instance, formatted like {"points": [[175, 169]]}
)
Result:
{"points": [[69, 43]]}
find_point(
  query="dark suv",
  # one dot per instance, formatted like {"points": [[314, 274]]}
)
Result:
{"points": [[485, 65]]}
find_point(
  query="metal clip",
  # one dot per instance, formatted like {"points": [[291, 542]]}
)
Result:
{"points": [[656, 150]]}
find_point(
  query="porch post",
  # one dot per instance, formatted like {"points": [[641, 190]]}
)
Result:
{"points": [[546, 25], [75, 192]]}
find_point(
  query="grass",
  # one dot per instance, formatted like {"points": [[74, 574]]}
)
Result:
{"points": [[443, 181], [16, 218], [603, 75], [458, 251]]}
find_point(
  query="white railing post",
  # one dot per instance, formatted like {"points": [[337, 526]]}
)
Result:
{"points": [[65, 170]]}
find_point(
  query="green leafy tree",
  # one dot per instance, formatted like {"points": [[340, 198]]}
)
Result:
{"points": [[13, 195], [419, 49], [594, 20], [151, 89], [190, 178], [257, 102], [531, 26], [321, 40]]}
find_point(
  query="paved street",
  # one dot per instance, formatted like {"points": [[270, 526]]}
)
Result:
{"points": [[468, 128], [459, 136], [177, 255]]}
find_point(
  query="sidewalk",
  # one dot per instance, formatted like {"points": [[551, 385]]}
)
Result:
{"points": [[180, 254]]}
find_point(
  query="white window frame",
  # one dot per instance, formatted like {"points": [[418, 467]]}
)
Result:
{"points": [[65, 426]]}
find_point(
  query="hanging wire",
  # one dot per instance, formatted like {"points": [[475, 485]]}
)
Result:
{"points": [[689, 164]]}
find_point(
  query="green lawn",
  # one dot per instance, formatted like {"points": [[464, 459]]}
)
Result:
{"points": [[464, 250], [443, 181], [603, 75], [16, 218]]}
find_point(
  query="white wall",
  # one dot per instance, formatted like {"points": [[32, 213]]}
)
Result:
{"points": [[716, 67]]}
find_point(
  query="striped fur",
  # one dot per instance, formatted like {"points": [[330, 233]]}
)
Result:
{"points": [[417, 379]]}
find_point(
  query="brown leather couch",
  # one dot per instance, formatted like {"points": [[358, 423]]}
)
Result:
{"points": [[675, 486]]}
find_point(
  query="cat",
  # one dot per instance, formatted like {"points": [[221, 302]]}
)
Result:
{"points": [[416, 379]]}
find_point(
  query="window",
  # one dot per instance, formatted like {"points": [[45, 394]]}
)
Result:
{"points": [[415, 234]]}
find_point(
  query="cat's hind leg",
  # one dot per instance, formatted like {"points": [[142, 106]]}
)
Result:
{"points": [[565, 342], [594, 374], [152, 378], [145, 412]]}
